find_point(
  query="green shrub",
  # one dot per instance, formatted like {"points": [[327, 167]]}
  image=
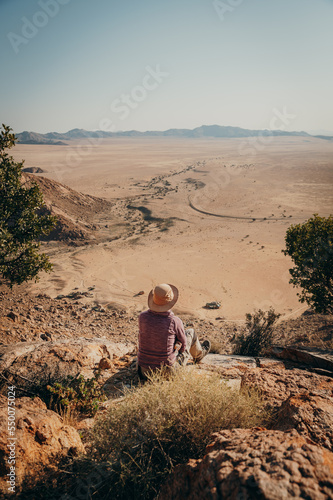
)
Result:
{"points": [[259, 335], [78, 394], [162, 424], [21, 221]]}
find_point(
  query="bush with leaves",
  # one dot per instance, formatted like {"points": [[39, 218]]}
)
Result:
{"points": [[78, 394], [310, 245], [259, 335], [20, 223]]}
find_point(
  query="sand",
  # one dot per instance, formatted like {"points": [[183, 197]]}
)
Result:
{"points": [[229, 214]]}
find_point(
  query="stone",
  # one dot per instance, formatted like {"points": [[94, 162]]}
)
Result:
{"points": [[244, 464], [313, 356], [14, 316], [42, 439], [270, 362], [277, 384], [310, 415], [228, 361], [105, 364], [44, 361]]}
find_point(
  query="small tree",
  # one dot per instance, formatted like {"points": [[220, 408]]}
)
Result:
{"points": [[310, 245], [20, 223]]}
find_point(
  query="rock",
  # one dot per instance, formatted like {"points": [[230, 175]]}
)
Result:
{"points": [[311, 416], [44, 361], [33, 170], [105, 364], [228, 366], [244, 464], [42, 440], [85, 424], [14, 316], [228, 361], [312, 356], [269, 362], [277, 384]]}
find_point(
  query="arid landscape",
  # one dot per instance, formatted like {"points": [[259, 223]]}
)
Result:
{"points": [[154, 143], [209, 215], [197, 213]]}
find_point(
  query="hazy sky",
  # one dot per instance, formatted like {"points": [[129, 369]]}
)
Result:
{"points": [[159, 64]]}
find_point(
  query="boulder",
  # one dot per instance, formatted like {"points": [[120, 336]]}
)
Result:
{"points": [[278, 383], [244, 464], [228, 361], [313, 356], [41, 440], [310, 415], [41, 362]]}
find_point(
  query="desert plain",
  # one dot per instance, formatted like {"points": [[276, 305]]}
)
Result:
{"points": [[207, 215]]}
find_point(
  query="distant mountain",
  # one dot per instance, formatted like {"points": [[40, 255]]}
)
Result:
{"points": [[204, 131], [326, 137], [34, 138], [321, 132]]}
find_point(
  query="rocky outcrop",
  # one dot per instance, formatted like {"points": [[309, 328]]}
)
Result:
{"points": [[33, 170], [28, 362], [310, 415], [278, 383], [313, 356], [244, 464], [41, 441]]}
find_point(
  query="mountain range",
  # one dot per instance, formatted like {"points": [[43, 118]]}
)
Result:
{"points": [[55, 138]]}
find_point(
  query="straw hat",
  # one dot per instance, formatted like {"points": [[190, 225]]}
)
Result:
{"points": [[162, 297]]}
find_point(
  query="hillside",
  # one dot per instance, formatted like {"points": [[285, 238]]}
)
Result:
{"points": [[76, 212]]}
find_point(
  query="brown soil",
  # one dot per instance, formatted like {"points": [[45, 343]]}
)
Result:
{"points": [[28, 317]]}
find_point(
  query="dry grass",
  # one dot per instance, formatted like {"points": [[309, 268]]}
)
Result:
{"points": [[69, 416], [162, 424]]}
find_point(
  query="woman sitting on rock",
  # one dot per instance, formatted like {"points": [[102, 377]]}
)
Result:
{"points": [[163, 341]]}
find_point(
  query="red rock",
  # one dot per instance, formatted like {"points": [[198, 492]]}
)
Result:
{"points": [[244, 464], [42, 439], [105, 364], [46, 360], [277, 384], [13, 316], [311, 416]]}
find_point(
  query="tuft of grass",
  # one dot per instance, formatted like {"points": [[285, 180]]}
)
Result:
{"points": [[161, 424]]}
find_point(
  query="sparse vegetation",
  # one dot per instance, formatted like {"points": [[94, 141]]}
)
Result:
{"points": [[259, 334], [77, 394], [310, 245], [20, 224], [162, 424]]}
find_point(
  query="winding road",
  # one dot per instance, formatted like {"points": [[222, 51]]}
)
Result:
{"points": [[240, 217]]}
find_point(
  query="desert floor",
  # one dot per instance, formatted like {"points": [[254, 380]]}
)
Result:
{"points": [[252, 191]]}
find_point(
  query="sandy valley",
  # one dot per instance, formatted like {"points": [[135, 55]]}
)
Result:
{"points": [[208, 215]]}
